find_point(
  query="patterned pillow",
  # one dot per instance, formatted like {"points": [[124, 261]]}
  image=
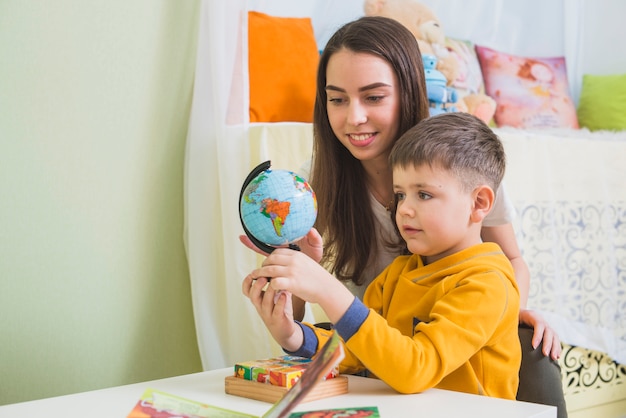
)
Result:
{"points": [[530, 92]]}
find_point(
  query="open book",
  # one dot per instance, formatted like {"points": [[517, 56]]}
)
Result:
{"points": [[156, 403]]}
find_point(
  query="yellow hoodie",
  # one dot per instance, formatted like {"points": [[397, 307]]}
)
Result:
{"points": [[451, 325]]}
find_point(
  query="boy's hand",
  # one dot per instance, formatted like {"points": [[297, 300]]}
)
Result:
{"points": [[305, 278], [295, 272]]}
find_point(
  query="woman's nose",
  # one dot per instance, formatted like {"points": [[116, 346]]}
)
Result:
{"points": [[357, 114]]}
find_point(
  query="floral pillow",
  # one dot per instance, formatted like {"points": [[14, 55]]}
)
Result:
{"points": [[529, 92]]}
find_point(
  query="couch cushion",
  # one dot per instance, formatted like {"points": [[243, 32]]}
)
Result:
{"points": [[602, 104], [282, 62], [529, 92]]}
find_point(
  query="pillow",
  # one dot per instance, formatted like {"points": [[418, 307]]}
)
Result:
{"points": [[602, 104], [470, 78], [282, 68], [529, 92]]}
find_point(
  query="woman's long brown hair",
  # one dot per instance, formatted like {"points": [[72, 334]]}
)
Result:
{"points": [[345, 218]]}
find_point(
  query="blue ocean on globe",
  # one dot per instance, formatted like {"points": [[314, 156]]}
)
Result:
{"points": [[278, 207]]}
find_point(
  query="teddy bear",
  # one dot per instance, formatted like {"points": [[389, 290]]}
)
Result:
{"points": [[423, 24], [479, 105], [428, 30]]}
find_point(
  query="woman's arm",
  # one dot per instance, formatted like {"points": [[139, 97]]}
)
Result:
{"points": [[504, 235]]}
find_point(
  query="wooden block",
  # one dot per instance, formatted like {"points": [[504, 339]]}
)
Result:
{"points": [[272, 393]]}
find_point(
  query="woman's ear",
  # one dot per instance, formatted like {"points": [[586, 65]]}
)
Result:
{"points": [[484, 198]]}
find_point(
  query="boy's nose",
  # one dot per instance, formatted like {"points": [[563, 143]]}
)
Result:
{"points": [[404, 209]]}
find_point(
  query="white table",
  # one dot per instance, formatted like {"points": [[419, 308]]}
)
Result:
{"points": [[208, 387]]}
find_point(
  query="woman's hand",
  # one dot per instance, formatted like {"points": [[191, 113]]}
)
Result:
{"points": [[311, 244], [542, 332], [275, 309]]}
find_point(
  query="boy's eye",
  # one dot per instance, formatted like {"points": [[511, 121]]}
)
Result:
{"points": [[423, 195], [398, 196]]}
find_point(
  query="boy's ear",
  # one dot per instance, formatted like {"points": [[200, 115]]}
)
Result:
{"points": [[484, 198]]}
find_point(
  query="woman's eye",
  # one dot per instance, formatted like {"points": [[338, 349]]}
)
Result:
{"points": [[375, 99], [335, 100]]}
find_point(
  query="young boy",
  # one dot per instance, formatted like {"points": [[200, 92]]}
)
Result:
{"points": [[445, 316]]}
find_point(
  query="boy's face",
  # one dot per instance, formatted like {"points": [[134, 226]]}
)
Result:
{"points": [[433, 213]]}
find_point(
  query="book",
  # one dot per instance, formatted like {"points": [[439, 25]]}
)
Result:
{"points": [[154, 403], [358, 412]]}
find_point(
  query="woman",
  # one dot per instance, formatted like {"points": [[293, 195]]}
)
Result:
{"points": [[358, 116]]}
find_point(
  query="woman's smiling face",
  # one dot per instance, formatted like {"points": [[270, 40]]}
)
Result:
{"points": [[363, 103]]}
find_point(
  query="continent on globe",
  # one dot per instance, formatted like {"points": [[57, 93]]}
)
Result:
{"points": [[277, 211]]}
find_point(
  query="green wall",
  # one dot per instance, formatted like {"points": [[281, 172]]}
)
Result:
{"points": [[94, 104]]}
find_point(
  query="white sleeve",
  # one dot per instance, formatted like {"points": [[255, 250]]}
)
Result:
{"points": [[503, 211]]}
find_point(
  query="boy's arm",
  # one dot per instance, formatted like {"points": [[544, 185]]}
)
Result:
{"points": [[315, 338], [287, 272], [461, 323]]}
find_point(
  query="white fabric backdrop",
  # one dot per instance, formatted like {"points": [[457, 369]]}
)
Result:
{"points": [[219, 155], [570, 195]]}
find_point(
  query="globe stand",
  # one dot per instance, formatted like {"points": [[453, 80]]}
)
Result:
{"points": [[257, 242]]}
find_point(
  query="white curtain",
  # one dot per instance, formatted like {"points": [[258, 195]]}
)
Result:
{"points": [[217, 160], [222, 148], [569, 192]]}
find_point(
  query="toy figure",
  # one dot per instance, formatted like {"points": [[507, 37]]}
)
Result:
{"points": [[441, 97]]}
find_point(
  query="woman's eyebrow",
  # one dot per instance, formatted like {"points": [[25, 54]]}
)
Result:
{"points": [[335, 88], [364, 88], [374, 86]]}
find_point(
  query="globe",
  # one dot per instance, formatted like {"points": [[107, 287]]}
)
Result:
{"points": [[276, 207]]}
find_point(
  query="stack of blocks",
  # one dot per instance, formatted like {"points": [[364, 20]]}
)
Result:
{"points": [[282, 371]]}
